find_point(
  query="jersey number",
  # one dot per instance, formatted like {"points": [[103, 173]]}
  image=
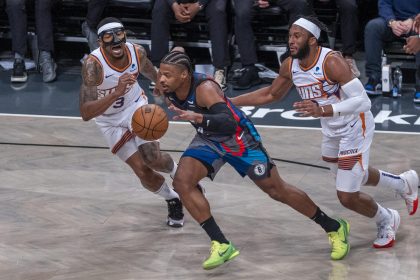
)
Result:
{"points": [[119, 102]]}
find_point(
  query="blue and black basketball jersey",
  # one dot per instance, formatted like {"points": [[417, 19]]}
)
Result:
{"points": [[245, 137]]}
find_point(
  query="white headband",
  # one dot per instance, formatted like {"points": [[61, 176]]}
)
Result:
{"points": [[311, 27], [108, 26]]}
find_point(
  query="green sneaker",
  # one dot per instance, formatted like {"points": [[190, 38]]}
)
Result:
{"points": [[219, 254], [340, 246]]}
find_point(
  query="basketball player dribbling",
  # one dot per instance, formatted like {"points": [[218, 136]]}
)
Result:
{"points": [[330, 92], [111, 94], [226, 135]]}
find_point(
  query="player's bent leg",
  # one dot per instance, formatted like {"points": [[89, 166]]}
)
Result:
{"points": [[155, 183], [153, 157]]}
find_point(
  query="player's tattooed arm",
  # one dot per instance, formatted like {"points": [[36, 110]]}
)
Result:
{"points": [[90, 105], [146, 66]]}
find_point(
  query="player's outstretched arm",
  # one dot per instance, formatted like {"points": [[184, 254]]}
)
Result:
{"points": [[276, 91], [90, 104], [219, 119], [146, 66]]}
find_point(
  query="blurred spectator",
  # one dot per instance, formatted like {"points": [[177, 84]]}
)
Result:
{"points": [[185, 11], [93, 16], [413, 47], [348, 13], [395, 21], [244, 11], [16, 10]]}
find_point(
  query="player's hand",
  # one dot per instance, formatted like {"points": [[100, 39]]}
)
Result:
{"points": [[181, 12], [123, 82], [308, 108], [186, 115], [413, 45]]}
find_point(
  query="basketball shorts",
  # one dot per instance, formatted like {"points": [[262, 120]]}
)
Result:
{"points": [[118, 132], [254, 162], [348, 155]]}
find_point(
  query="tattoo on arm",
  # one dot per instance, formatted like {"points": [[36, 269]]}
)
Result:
{"points": [[91, 74], [146, 66]]}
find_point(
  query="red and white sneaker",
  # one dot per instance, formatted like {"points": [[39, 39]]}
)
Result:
{"points": [[410, 194], [387, 231]]}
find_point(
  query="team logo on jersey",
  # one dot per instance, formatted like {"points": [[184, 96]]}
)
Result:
{"points": [[310, 91], [259, 169], [104, 92]]}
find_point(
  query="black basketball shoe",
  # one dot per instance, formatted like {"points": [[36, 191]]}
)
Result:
{"points": [[175, 214]]}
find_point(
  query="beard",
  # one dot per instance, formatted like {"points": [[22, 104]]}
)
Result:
{"points": [[302, 52]]}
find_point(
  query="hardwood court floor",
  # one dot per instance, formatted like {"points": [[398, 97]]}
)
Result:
{"points": [[68, 211]]}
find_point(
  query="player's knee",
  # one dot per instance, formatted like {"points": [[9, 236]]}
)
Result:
{"points": [[277, 193], [346, 199], [180, 184], [150, 157]]}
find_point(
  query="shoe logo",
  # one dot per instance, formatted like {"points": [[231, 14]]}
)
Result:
{"points": [[107, 76], [224, 252], [190, 102], [240, 136], [354, 123]]}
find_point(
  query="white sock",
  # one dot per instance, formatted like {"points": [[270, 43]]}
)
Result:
{"points": [[172, 173], [382, 215], [391, 181], [166, 192]]}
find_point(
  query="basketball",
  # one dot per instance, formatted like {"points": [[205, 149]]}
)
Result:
{"points": [[149, 122]]}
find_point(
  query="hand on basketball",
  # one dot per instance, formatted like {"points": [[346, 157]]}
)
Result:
{"points": [[308, 108], [186, 115], [123, 82]]}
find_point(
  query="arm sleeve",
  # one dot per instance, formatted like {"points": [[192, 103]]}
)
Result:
{"points": [[385, 10], [356, 100], [220, 120]]}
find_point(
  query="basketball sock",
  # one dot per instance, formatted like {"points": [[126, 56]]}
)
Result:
{"points": [[391, 181], [327, 223], [382, 215], [213, 230], [172, 173], [166, 192]]}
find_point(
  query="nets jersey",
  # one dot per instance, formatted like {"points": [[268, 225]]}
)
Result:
{"points": [[110, 77], [313, 84]]}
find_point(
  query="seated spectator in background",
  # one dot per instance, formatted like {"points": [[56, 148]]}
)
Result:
{"points": [[244, 11], [413, 47], [185, 11], [16, 11], [93, 16], [347, 10], [395, 21]]}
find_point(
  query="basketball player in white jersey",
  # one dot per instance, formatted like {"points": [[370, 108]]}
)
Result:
{"points": [[330, 92], [110, 93]]}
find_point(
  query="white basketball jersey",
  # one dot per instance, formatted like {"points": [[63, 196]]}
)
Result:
{"points": [[111, 75], [312, 84]]}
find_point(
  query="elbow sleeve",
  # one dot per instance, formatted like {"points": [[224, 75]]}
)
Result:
{"points": [[356, 100], [220, 120]]}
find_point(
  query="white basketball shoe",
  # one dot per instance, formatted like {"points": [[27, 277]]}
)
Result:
{"points": [[410, 194], [387, 231]]}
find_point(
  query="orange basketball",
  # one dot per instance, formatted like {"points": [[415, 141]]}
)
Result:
{"points": [[149, 122]]}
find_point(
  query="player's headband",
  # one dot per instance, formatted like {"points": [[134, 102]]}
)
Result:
{"points": [[109, 26], [311, 27]]}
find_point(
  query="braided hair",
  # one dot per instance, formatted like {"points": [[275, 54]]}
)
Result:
{"points": [[178, 58]]}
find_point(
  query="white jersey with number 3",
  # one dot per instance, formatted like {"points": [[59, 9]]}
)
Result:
{"points": [[111, 74], [313, 84]]}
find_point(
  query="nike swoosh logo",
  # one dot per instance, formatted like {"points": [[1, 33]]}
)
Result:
{"points": [[354, 123], [190, 102], [240, 136], [107, 76], [221, 254]]}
